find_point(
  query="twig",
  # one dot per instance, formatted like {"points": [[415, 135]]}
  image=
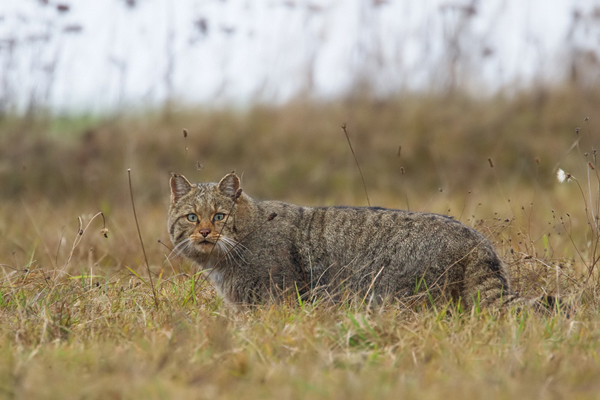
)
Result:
{"points": [[80, 232], [185, 135], [141, 241], [62, 235], [163, 243], [357, 164]]}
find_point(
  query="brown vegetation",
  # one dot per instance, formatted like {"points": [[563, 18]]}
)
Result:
{"points": [[79, 317]]}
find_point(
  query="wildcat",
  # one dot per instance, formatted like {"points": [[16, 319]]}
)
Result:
{"points": [[253, 251]]}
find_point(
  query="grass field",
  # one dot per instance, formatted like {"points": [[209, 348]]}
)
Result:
{"points": [[81, 317]]}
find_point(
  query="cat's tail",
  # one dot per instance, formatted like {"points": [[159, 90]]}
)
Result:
{"points": [[488, 285], [544, 305]]}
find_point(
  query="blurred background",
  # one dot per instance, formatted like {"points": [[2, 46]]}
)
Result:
{"points": [[466, 108], [111, 56]]}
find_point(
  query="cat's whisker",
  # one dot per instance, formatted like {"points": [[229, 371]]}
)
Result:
{"points": [[225, 248], [184, 248], [238, 245], [182, 243], [228, 242], [227, 252], [241, 247], [231, 259], [221, 246], [232, 249], [179, 249], [240, 255]]}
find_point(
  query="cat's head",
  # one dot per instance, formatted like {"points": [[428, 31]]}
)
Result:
{"points": [[202, 221]]}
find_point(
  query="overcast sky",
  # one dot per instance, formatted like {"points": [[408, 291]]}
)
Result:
{"points": [[89, 55]]}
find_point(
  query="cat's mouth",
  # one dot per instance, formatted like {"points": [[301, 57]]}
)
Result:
{"points": [[205, 244], [201, 240]]}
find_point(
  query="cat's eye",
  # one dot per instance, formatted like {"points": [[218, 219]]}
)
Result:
{"points": [[192, 217], [218, 217]]}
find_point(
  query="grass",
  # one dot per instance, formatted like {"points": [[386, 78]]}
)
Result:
{"points": [[109, 341], [79, 317]]}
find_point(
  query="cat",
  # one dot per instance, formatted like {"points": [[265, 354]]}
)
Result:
{"points": [[254, 251]]}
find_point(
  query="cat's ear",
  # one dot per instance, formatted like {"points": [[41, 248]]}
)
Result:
{"points": [[229, 185], [179, 187]]}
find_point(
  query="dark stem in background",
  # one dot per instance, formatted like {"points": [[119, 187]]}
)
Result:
{"points": [[137, 225], [357, 164]]}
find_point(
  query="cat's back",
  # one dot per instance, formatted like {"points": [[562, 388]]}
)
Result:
{"points": [[371, 223], [367, 225], [347, 232]]}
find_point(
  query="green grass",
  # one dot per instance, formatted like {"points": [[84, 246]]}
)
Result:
{"points": [[78, 318]]}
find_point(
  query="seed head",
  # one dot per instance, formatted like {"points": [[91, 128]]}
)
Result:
{"points": [[563, 176]]}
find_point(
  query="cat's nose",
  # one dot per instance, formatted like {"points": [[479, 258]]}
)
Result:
{"points": [[204, 232]]}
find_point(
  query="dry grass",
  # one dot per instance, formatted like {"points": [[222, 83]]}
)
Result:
{"points": [[109, 341], [79, 319]]}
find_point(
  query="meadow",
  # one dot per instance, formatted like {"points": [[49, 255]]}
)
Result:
{"points": [[87, 312]]}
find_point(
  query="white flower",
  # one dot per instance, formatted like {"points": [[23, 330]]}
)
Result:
{"points": [[563, 176]]}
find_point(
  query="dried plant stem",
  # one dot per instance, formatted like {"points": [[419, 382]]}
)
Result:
{"points": [[80, 232], [185, 135], [62, 235], [357, 164], [137, 225]]}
